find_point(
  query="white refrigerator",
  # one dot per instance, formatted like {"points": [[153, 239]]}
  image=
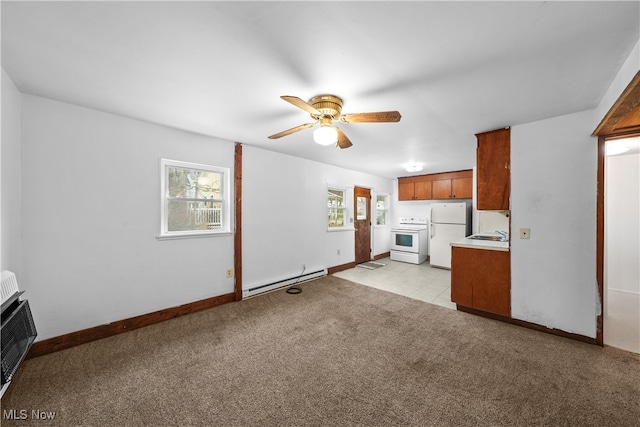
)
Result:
{"points": [[449, 222]]}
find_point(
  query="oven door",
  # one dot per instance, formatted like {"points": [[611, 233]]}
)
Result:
{"points": [[405, 240]]}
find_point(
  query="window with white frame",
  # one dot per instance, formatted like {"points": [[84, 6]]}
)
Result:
{"points": [[195, 199], [382, 209], [336, 207]]}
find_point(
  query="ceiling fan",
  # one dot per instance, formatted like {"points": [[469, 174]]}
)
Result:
{"points": [[324, 109]]}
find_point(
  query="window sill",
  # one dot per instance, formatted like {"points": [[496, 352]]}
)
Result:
{"points": [[192, 235]]}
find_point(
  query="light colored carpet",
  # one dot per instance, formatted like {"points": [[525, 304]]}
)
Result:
{"points": [[338, 354]]}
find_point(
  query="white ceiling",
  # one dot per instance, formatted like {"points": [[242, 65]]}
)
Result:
{"points": [[452, 69]]}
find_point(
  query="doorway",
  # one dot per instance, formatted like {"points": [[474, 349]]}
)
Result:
{"points": [[621, 121], [622, 243], [362, 224]]}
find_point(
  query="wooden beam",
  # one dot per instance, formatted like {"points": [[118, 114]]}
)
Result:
{"points": [[624, 115], [237, 237], [600, 240]]}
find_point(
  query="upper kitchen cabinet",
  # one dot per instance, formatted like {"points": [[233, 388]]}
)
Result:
{"points": [[438, 186], [493, 169], [453, 185], [414, 188]]}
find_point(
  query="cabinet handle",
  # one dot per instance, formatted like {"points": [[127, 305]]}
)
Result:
{"points": [[506, 166]]}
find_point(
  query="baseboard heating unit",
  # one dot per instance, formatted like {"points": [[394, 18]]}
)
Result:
{"points": [[258, 289], [18, 332]]}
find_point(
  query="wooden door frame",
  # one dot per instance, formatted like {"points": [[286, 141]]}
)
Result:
{"points": [[600, 224], [622, 120], [370, 226]]}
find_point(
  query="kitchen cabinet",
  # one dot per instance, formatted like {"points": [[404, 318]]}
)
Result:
{"points": [[454, 188], [481, 279], [439, 186], [412, 189], [493, 170]]}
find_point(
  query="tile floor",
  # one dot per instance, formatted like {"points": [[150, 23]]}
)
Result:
{"points": [[422, 282]]}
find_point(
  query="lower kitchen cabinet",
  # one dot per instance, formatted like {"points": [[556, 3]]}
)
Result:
{"points": [[481, 279]]}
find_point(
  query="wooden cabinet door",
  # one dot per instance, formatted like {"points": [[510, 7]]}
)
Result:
{"points": [[461, 277], [438, 186], [405, 190], [422, 190], [441, 189], [493, 170], [481, 279], [493, 292], [462, 188]]}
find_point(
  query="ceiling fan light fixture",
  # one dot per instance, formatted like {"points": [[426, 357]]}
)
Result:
{"points": [[325, 135], [413, 167]]}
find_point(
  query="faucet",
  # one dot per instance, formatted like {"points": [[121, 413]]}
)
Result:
{"points": [[504, 234]]}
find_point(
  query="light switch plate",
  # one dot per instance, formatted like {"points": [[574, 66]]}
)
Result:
{"points": [[525, 233]]}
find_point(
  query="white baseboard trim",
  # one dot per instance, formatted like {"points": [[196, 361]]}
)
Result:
{"points": [[623, 291]]}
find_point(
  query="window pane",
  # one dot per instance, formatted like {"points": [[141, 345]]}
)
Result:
{"points": [[194, 183], [336, 217], [192, 216], [335, 198], [381, 210], [361, 208]]}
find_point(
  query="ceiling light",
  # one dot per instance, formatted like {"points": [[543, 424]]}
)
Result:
{"points": [[413, 167], [325, 135]]}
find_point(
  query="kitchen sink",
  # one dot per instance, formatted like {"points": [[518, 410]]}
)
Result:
{"points": [[488, 237]]}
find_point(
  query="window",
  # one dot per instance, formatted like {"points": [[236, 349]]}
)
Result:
{"points": [[382, 209], [195, 199], [336, 207]]}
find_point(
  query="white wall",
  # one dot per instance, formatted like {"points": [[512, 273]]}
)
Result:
{"points": [[11, 195], [622, 228], [91, 197], [284, 216], [621, 81], [553, 192]]}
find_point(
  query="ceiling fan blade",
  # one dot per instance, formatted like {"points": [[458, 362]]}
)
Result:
{"points": [[379, 117], [343, 141], [301, 104], [292, 130]]}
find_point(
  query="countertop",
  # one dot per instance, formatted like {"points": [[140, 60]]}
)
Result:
{"points": [[481, 244]]}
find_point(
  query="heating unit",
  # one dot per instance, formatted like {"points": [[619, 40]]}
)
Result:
{"points": [[18, 330]]}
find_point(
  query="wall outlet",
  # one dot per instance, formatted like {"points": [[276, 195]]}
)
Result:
{"points": [[525, 233], [229, 272]]}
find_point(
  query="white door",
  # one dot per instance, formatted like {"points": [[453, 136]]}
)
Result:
{"points": [[441, 237]]}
